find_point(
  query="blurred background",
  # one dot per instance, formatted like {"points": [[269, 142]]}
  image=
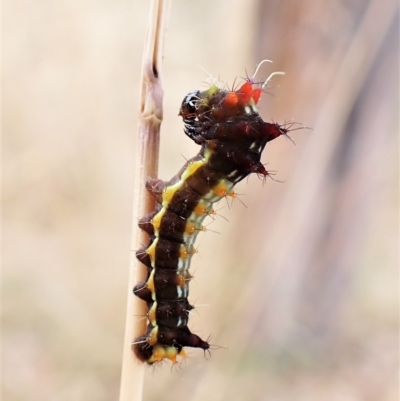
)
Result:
{"points": [[300, 284]]}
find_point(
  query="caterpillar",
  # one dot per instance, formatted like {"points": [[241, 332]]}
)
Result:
{"points": [[232, 136]]}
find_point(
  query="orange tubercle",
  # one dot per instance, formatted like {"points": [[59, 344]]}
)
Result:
{"points": [[231, 99], [220, 190], [158, 353], [180, 280], [183, 252], [190, 228], [200, 209]]}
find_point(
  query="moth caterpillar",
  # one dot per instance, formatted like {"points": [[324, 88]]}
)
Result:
{"points": [[232, 136]]}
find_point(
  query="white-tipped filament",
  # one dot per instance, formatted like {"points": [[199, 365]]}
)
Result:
{"points": [[270, 76], [259, 65]]}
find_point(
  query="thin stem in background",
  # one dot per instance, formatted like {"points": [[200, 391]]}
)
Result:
{"points": [[147, 150]]}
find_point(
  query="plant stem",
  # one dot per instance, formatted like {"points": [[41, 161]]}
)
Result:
{"points": [[146, 166]]}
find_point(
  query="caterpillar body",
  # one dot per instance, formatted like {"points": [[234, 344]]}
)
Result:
{"points": [[232, 136]]}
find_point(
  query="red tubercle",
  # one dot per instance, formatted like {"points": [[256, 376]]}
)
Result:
{"points": [[259, 169], [256, 94], [247, 92], [273, 131], [243, 95]]}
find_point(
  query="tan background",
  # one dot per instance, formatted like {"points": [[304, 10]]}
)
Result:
{"points": [[301, 285]]}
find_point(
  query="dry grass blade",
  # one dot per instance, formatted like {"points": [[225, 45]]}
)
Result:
{"points": [[146, 166]]}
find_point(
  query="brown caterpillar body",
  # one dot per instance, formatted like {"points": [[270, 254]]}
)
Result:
{"points": [[232, 136]]}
